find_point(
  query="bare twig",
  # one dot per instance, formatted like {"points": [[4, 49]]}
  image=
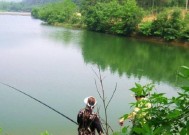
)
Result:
{"points": [[109, 127], [98, 90], [101, 93], [102, 120], [95, 73], [112, 96]]}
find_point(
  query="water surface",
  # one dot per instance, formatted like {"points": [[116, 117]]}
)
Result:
{"points": [[55, 65]]}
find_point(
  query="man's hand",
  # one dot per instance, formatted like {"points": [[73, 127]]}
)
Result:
{"points": [[121, 121], [101, 133]]}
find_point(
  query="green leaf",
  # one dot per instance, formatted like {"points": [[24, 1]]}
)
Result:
{"points": [[124, 116], [185, 88], [124, 130], [158, 131], [45, 133], [187, 125], [173, 114], [138, 130], [181, 75], [138, 85], [184, 72], [185, 67], [147, 129], [183, 131], [140, 90], [118, 133]]}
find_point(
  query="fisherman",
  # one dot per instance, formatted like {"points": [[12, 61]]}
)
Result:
{"points": [[139, 114], [88, 121]]}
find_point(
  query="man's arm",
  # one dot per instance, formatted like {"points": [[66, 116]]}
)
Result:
{"points": [[98, 125], [80, 117]]}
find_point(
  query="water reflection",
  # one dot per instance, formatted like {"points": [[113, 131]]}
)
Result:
{"points": [[66, 36], [127, 56], [134, 58]]}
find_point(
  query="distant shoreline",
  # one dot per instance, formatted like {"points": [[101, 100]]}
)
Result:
{"points": [[16, 13]]}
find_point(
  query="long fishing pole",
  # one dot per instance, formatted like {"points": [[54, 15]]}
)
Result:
{"points": [[39, 102]]}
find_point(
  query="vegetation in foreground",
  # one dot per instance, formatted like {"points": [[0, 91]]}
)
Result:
{"points": [[167, 116]]}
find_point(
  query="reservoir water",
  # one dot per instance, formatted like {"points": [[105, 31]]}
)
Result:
{"points": [[56, 65]]}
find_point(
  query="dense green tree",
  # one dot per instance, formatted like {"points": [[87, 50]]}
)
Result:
{"points": [[113, 17], [168, 25], [25, 5], [53, 13], [154, 5], [158, 5], [14, 6], [39, 2], [186, 4]]}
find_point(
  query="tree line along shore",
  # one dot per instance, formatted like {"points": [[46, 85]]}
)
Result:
{"points": [[124, 18], [166, 20]]}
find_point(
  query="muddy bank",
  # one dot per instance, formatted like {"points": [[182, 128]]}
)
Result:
{"points": [[160, 40]]}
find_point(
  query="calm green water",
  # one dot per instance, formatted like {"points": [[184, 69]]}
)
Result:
{"points": [[56, 65]]}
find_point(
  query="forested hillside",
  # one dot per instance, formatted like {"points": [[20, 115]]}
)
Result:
{"points": [[147, 4], [39, 2], [169, 21], [25, 5]]}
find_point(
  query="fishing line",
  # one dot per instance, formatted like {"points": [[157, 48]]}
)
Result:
{"points": [[39, 102]]}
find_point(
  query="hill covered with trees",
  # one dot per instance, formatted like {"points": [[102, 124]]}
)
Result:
{"points": [[121, 17], [39, 2], [24, 5]]}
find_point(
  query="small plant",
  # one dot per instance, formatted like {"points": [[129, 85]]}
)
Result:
{"points": [[124, 131], [140, 90], [167, 116], [45, 133]]}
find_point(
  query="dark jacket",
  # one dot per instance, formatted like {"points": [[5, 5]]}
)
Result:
{"points": [[88, 122]]}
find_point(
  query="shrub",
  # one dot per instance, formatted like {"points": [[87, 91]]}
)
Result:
{"points": [[167, 115], [168, 25], [113, 17], [185, 34], [35, 12], [61, 12], [145, 28]]}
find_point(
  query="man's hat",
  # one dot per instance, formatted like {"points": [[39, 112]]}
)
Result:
{"points": [[90, 101]]}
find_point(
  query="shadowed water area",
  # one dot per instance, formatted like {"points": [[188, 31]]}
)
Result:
{"points": [[55, 65]]}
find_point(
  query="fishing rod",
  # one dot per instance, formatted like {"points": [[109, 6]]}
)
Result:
{"points": [[39, 102]]}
